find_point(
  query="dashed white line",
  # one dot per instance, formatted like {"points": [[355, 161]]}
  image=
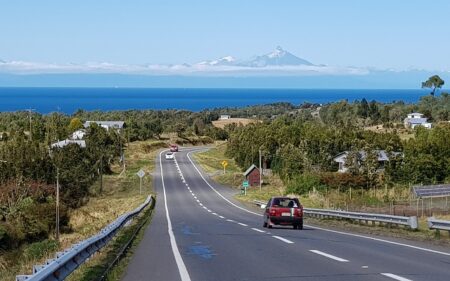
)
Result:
{"points": [[230, 220], [282, 239], [215, 214], [395, 277], [329, 256], [243, 224], [259, 230], [205, 208], [222, 217], [209, 211]]}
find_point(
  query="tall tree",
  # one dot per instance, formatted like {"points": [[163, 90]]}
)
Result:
{"points": [[434, 82]]}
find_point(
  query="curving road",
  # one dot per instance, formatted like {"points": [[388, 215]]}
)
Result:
{"points": [[199, 232]]}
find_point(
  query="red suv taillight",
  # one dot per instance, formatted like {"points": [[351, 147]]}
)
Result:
{"points": [[299, 212], [272, 212]]}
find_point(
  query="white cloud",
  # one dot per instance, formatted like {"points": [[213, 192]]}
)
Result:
{"points": [[24, 67]]}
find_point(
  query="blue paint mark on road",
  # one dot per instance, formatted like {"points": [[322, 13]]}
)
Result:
{"points": [[186, 230], [201, 251]]}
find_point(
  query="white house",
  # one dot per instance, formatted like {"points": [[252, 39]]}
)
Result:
{"points": [[118, 125], [416, 119], [78, 134], [63, 143], [224, 117], [382, 156]]}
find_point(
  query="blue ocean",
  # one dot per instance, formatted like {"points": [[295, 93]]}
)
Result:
{"points": [[69, 100]]}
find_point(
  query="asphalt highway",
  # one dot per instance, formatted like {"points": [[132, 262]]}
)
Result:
{"points": [[199, 232]]}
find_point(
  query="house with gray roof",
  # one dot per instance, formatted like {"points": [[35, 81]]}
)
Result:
{"points": [[117, 125], [382, 156], [416, 119]]}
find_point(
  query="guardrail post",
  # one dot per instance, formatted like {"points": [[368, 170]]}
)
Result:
{"points": [[413, 223]]}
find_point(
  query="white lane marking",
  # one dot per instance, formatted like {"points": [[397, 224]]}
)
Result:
{"points": [[365, 266], [283, 239], [195, 197], [222, 217], [230, 220], [258, 230], [395, 277], [205, 208], [381, 240], [209, 211], [201, 204], [198, 201], [329, 256], [184, 274], [243, 224], [223, 197], [215, 214]]}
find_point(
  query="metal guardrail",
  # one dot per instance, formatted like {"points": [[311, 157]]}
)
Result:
{"points": [[438, 224], [381, 218], [70, 259]]}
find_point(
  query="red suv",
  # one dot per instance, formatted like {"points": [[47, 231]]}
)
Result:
{"points": [[173, 148], [284, 211]]}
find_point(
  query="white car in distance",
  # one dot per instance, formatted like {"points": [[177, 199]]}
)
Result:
{"points": [[169, 155]]}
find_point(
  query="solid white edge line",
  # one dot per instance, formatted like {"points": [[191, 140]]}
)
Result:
{"points": [[319, 228], [283, 239], [381, 240], [195, 167], [395, 277], [329, 256], [258, 230], [184, 274]]}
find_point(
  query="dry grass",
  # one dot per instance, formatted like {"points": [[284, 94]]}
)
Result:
{"points": [[120, 195], [238, 121], [403, 133]]}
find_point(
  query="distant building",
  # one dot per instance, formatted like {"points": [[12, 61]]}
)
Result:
{"points": [[382, 156], [117, 125], [252, 175], [63, 143], [224, 117], [416, 119], [78, 134]]}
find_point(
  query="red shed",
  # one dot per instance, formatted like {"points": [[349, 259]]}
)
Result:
{"points": [[252, 175]]}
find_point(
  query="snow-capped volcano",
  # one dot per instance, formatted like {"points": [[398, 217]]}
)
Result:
{"points": [[228, 60], [278, 57]]}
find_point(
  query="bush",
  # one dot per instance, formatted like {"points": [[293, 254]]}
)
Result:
{"points": [[304, 183], [343, 181], [40, 249]]}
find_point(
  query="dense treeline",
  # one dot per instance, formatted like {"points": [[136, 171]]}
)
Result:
{"points": [[301, 148], [28, 176], [362, 113]]}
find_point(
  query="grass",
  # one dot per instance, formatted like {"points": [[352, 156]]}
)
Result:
{"points": [[357, 200], [120, 195], [238, 121]]}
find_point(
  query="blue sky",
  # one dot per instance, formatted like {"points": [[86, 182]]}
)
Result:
{"points": [[384, 33]]}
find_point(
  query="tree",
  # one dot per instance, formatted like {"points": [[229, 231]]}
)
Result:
{"points": [[75, 124], [363, 108], [434, 82]]}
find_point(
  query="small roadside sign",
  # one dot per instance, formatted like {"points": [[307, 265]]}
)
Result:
{"points": [[141, 173], [245, 184], [224, 165]]}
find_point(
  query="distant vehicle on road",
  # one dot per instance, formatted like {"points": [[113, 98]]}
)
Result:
{"points": [[173, 148], [284, 211], [169, 155]]}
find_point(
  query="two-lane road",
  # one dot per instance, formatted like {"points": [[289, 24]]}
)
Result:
{"points": [[199, 232]]}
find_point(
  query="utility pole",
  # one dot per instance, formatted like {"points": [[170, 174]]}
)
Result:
{"points": [[30, 110], [260, 171], [57, 204]]}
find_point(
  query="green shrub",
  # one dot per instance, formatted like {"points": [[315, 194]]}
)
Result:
{"points": [[304, 183], [40, 249]]}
